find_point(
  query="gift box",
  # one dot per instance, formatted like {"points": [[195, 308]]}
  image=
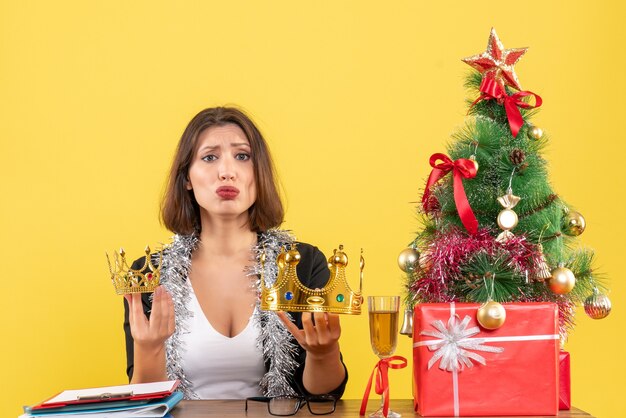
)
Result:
{"points": [[461, 369], [565, 393]]}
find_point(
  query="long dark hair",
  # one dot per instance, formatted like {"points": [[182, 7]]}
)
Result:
{"points": [[180, 212]]}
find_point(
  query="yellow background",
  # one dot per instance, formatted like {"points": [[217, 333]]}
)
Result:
{"points": [[353, 97]]}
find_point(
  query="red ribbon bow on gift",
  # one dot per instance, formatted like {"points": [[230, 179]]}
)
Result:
{"points": [[382, 381], [491, 89], [461, 168]]}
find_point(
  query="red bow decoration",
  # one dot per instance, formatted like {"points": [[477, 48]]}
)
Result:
{"points": [[461, 168], [491, 89], [382, 381]]}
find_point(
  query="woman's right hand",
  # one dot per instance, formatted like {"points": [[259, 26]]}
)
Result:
{"points": [[150, 334]]}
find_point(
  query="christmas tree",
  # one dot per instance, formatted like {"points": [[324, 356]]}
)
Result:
{"points": [[494, 230]]}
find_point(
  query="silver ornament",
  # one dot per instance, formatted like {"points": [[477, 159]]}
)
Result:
{"points": [[407, 323]]}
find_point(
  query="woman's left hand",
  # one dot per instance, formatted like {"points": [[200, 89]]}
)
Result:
{"points": [[320, 333]]}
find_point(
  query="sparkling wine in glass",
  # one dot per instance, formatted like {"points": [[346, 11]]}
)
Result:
{"points": [[383, 315]]}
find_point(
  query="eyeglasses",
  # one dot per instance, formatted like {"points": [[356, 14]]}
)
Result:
{"points": [[284, 406]]}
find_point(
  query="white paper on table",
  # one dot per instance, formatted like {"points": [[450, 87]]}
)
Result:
{"points": [[136, 389]]}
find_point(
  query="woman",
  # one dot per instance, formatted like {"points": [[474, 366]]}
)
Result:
{"points": [[203, 325]]}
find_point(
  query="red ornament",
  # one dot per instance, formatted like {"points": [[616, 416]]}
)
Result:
{"points": [[497, 63]]}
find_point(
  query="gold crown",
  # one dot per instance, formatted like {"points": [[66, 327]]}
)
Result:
{"points": [[289, 294], [127, 280]]}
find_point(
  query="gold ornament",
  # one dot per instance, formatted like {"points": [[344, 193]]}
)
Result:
{"points": [[535, 133], [507, 218], [562, 280], [408, 259], [491, 315], [289, 294], [473, 159], [127, 280], [573, 223], [497, 63], [543, 271], [598, 305]]}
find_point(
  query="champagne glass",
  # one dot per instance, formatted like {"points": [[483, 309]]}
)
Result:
{"points": [[383, 315]]}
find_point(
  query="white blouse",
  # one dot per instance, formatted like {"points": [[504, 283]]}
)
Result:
{"points": [[220, 367]]}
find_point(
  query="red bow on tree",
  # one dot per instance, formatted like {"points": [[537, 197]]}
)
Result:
{"points": [[461, 168], [491, 89]]}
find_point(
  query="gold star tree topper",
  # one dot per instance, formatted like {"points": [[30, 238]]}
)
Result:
{"points": [[497, 62]]}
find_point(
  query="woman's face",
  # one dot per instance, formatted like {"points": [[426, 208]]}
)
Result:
{"points": [[221, 174]]}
